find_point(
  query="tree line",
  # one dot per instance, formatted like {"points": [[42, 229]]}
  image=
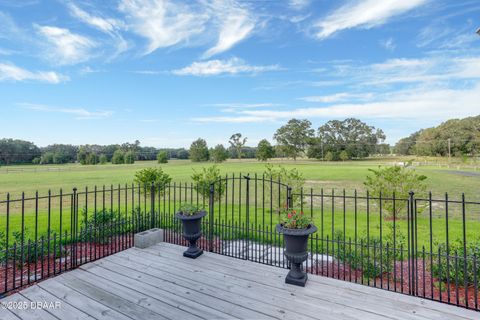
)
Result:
{"points": [[455, 137], [335, 140]]}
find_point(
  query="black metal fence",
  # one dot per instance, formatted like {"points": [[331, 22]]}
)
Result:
{"points": [[419, 245]]}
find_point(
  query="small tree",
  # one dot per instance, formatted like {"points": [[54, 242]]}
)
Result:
{"points": [[343, 155], [157, 176], [237, 143], [398, 181], [92, 158], [199, 150], [329, 156], [162, 157], [277, 192], [103, 159], [265, 150], [205, 178], [130, 157], [219, 153], [118, 157]]}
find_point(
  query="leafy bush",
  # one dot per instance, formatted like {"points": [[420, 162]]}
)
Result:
{"points": [[130, 157], [118, 157], [289, 177], [203, 179], [99, 227], [441, 272], [368, 248], [157, 176], [219, 153], [103, 159], [162, 157], [398, 180]]}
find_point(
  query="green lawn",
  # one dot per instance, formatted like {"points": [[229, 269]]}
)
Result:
{"points": [[346, 175]]}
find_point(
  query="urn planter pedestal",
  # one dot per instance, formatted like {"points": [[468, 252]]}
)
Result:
{"points": [[296, 244], [192, 231]]}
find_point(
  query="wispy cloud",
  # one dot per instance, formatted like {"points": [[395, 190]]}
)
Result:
{"points": [[78, 113], [163, 23], [217, 67], [364, 14], [11, 72], [235, 24], [109, 26], [65, 47], [337, 97], [388, 44], [298, 4]]}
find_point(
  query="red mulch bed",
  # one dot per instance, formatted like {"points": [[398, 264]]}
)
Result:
{"points": [[399, 281]]}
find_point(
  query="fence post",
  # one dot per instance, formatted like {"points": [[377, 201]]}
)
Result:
{"points": [[247, 213], [210, 217], [289, 197], [412, 253], [152, 205], [74, 226]]}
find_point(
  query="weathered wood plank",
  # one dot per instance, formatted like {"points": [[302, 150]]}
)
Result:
{"points": [[433, 309], [25, 312], [6, 314], [80, 301], [65, 311], [254, 288]]}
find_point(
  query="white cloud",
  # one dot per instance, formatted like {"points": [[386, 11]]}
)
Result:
{"points": [[66, 47], [235, 24], [342, 96], [107, 25], [163, 22], [216, 67], [364, 14], [11, 72], [78, 113], [388, 44], [298, 4]]}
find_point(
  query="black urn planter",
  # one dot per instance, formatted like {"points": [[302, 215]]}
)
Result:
{"points": [[192, 231], [296, 242]]}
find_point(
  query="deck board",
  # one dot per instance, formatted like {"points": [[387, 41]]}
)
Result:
{"points": [[159, 283]]}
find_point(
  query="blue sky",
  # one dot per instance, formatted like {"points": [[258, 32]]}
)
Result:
{"points": [[167, 72]]}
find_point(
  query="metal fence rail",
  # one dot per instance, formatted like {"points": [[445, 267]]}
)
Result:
{"points": [[420, 245]]}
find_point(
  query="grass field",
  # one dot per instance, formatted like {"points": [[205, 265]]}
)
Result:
{"points": [[346, 175]]}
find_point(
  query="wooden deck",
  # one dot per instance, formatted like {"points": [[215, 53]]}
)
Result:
{"points": [[158, 283]]}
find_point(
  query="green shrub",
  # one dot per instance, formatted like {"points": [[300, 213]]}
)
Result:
{"points": [[162, 157], [371, 255], [189, 209], [118, 157], [130, 157], [440, 271], [289, 177], [103, 159], [398, 180], [100, 227], [203, 179], [157, 176]]}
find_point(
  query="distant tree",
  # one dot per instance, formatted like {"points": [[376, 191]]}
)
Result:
{"points": [[398, 180], [199, 150], [406, 146], [329, 156], [92, 158], [64, 153], [36, 160], [265, 150], [183, 154], [17, 151], [103, 159], [162, 157], [129, 157], [344, 155], [293, 137], [357, 138], [237, 143], [47, 158], [118, 157], [219, 153]]}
